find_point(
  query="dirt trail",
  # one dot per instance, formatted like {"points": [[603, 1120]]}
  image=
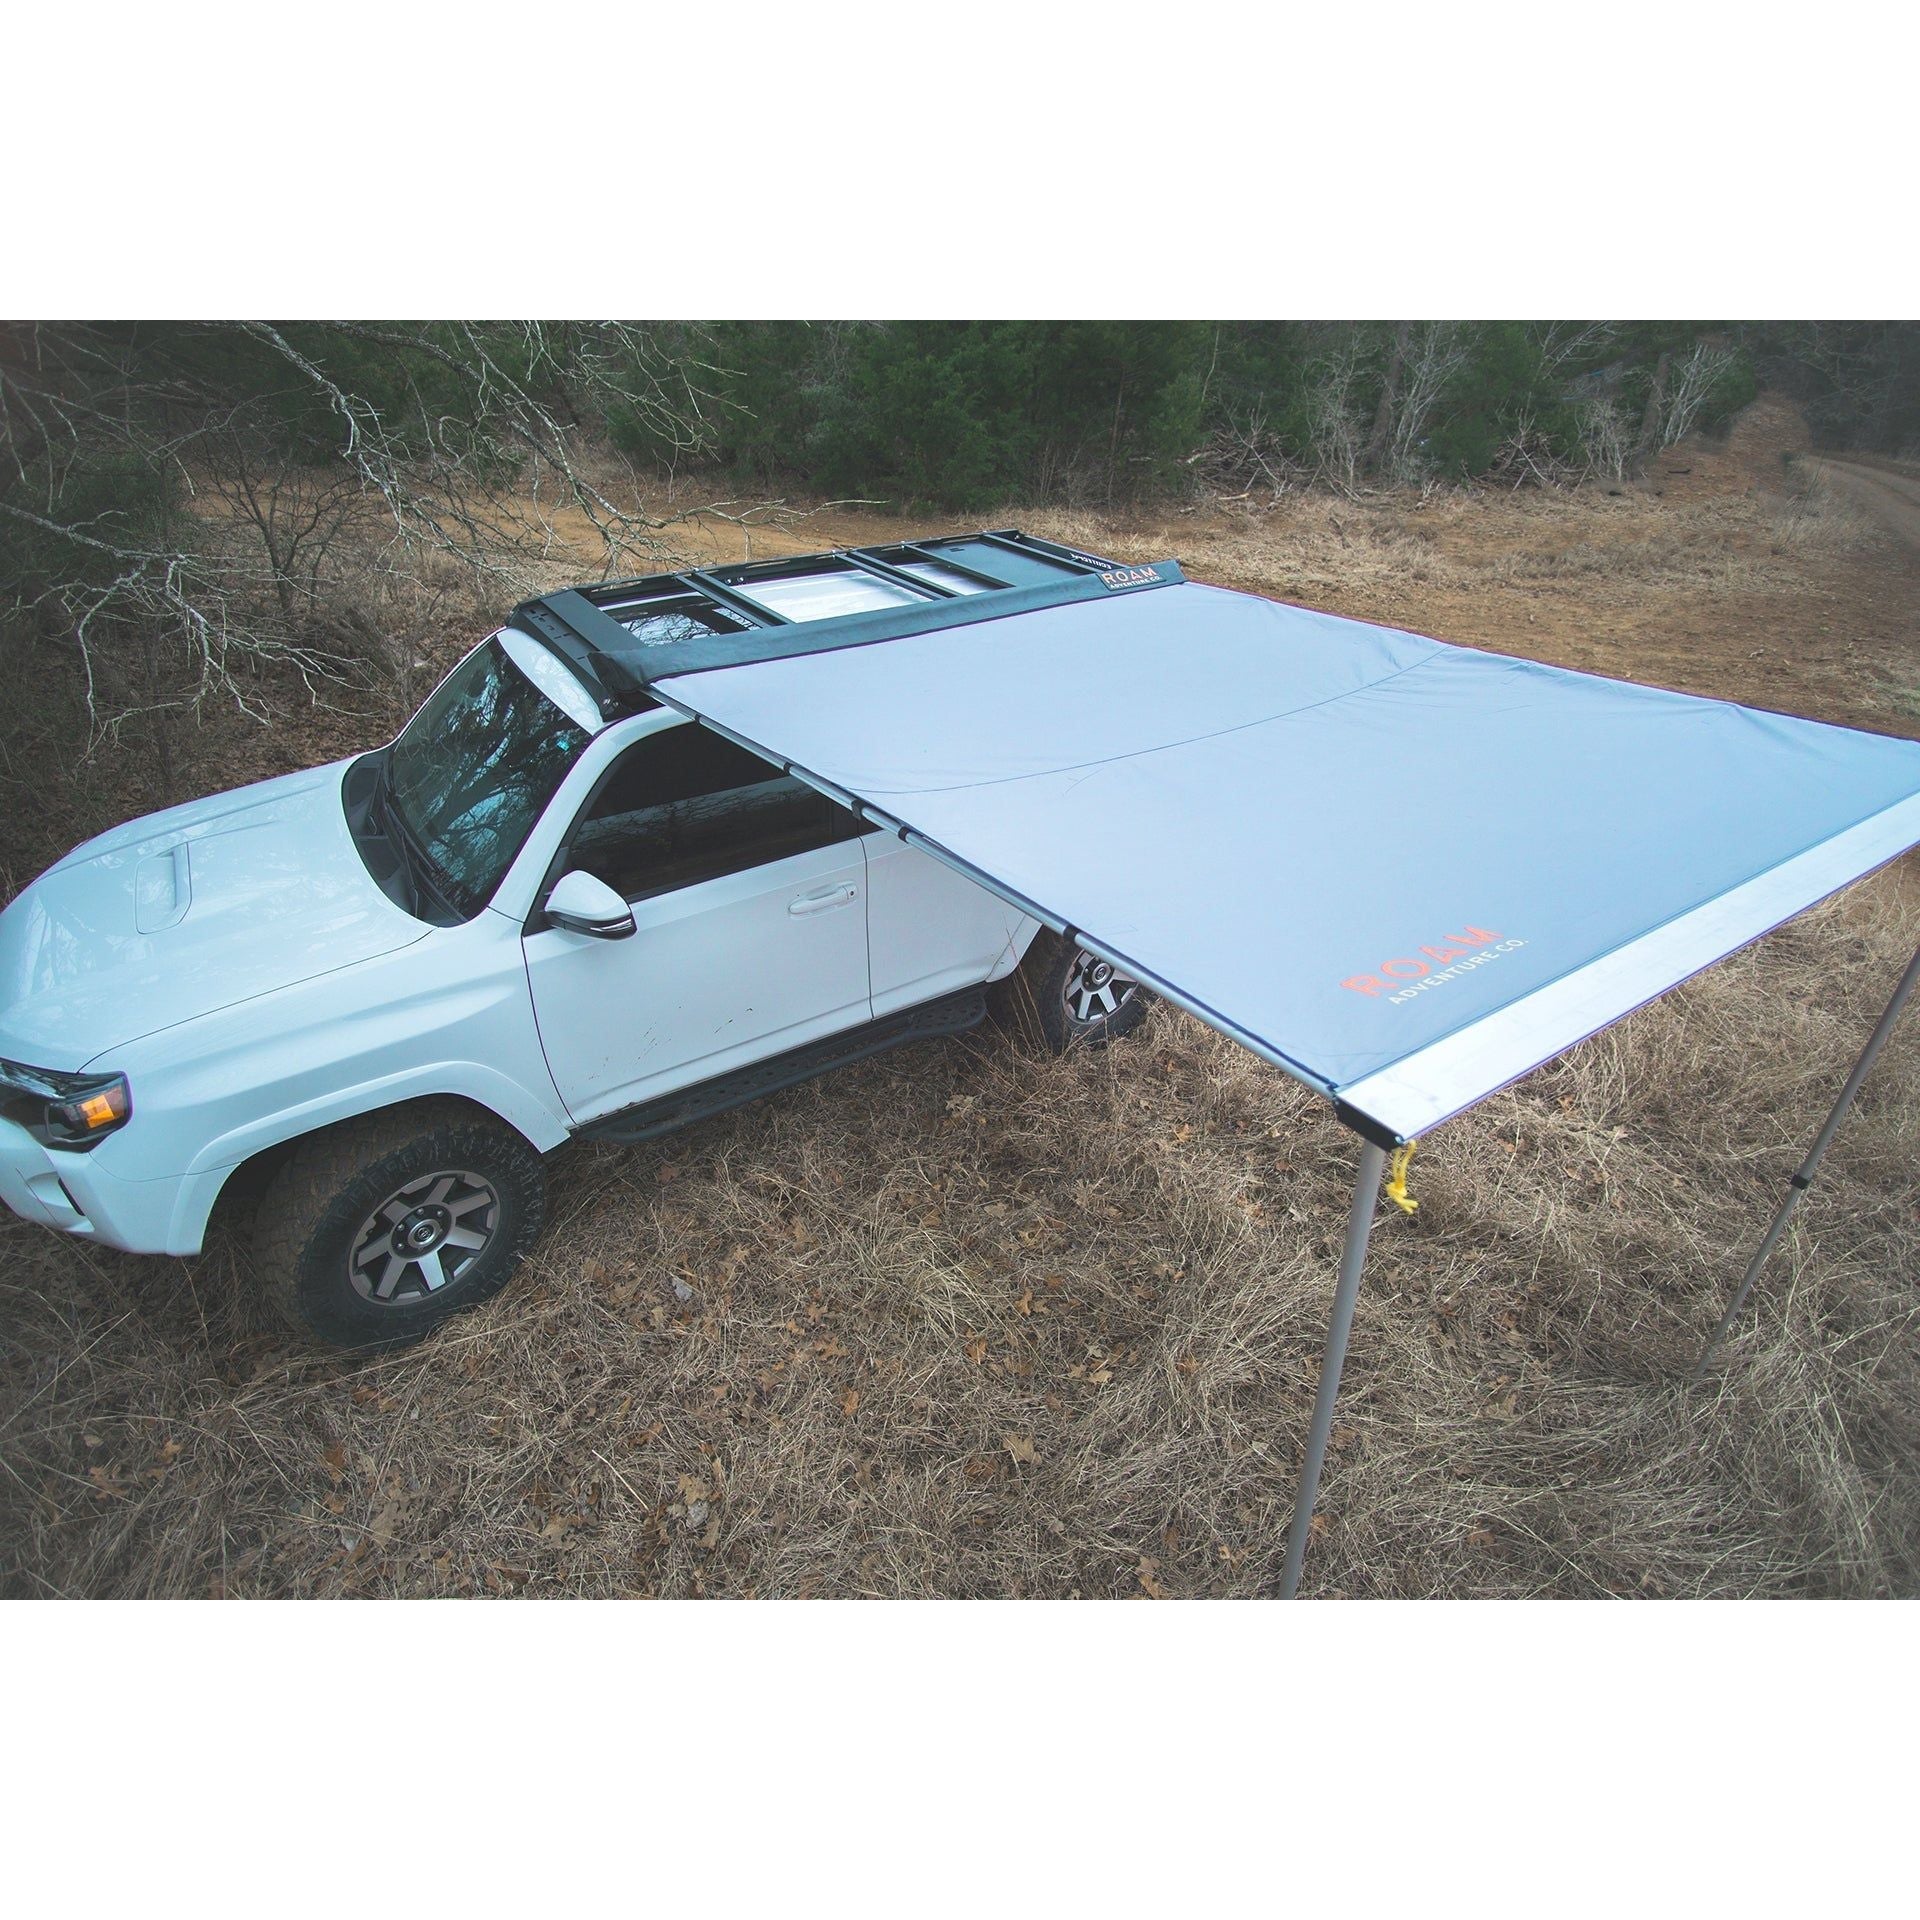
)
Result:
{"points": [[1892, 499]]}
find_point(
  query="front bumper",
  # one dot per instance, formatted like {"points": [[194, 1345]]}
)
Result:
{"points": [[76, 1193]]}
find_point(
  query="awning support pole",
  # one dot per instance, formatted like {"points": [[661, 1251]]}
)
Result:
{"points": [[1797, 1189], [1366, 1196]]}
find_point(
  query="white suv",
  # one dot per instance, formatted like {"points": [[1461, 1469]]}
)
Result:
{"points": [[553, 906]]}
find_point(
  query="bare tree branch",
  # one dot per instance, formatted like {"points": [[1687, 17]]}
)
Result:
{"points": [[165, 482]]}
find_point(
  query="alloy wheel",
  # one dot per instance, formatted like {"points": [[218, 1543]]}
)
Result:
{"points": [[1095, 988], [423, 1237]]}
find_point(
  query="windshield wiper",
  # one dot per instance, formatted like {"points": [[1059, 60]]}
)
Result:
{"points": [[424, 876], [384, 815]]}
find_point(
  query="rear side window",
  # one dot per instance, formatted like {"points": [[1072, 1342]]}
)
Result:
{"points": [[684, 805]]}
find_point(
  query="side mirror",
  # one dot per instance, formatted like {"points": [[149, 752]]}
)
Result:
{"points": [[582, 904]]}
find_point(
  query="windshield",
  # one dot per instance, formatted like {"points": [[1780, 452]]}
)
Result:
{"points": [[475, 769]]}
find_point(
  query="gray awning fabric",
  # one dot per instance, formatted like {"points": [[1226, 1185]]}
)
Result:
{"points": [[1405, 871]]}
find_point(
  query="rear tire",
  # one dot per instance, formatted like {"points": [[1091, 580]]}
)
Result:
{"points": [[375, 1231], [1064, 997]]}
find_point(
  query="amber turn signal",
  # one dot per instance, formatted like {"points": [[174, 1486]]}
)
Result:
{"points": [[90, 1114]]}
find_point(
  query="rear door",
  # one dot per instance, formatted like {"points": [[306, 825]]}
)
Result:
{"points": [[749, 896], [929, 930]]}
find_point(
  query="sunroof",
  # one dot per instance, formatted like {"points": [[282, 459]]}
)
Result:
{"points": [[827, 595]]}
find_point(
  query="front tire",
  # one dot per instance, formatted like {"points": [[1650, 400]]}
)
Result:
{"points": [[375, 1231]]}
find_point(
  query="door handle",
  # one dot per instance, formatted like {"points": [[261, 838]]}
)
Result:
{"points": [[823, 902]]}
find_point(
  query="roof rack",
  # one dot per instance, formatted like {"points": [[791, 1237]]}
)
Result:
{"points": [[623, 635]]}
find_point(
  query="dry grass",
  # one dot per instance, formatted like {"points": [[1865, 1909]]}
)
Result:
{"points": [[1636, 542], [962, 1321], [968, 1322]]}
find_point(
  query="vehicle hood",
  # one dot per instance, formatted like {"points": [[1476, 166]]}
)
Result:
{"points": [[187, 911]]}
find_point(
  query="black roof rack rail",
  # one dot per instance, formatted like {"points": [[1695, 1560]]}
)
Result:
{"points": [[868, 560], [1013, 539], [749, 610], [621, 636], [929, 557]]}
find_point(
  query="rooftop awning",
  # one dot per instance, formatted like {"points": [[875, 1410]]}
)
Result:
{"points": [[1404, 871]]}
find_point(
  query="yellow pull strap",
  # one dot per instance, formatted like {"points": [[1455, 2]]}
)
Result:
{"points": [[1397, 1178]]}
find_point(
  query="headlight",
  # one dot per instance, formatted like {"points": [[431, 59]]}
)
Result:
{"points": [[64, 1109]]}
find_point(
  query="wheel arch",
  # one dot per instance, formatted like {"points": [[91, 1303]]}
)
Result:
{"points": [[329, 1250], [228, 1168]]}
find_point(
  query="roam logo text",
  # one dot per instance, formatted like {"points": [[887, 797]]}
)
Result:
{"points": [[1437, 964]]}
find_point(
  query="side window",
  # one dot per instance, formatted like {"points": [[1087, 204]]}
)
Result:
{"points": [[684, 806]]}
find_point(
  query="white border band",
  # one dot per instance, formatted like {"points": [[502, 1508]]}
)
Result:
{"points": [[1434, 1084]]}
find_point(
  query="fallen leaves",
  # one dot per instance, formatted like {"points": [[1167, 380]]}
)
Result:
{"points": [[1020, 1449], [1096, 1369], [386, 1521]]}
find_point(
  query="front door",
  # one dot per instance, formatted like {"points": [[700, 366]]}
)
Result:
{"points": [[749, 897]]}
